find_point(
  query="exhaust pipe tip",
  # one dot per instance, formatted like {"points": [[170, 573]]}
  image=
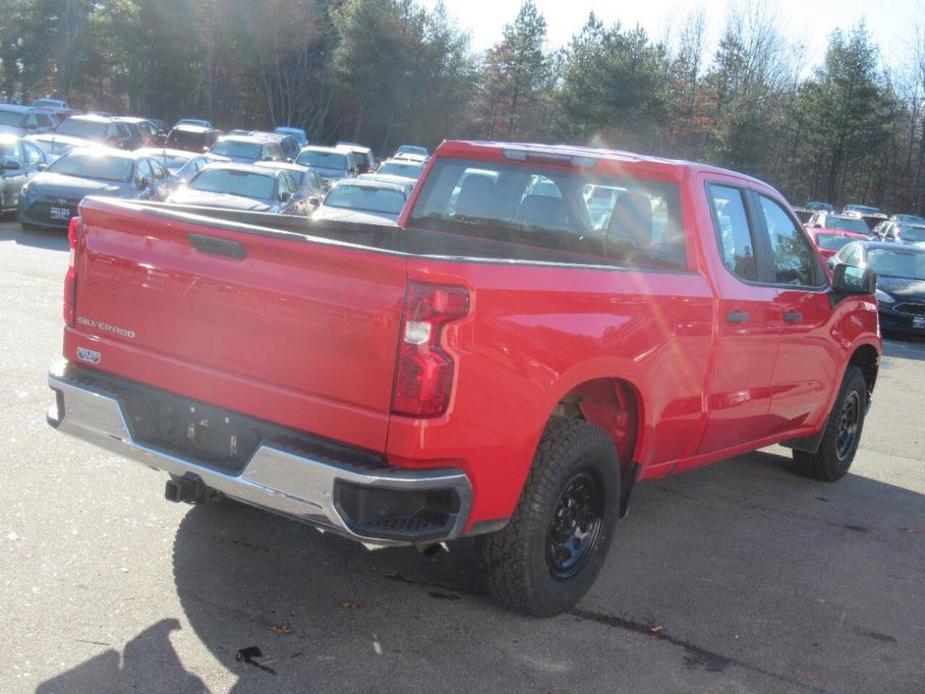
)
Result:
{"points": [[187, 490]]}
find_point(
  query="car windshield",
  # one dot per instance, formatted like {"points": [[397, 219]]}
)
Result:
{"points": [[46, 102], [393, 168], [847, 224], [82, 128], [323, 160], [832, 242], [103, 167], [411, 149], [910, 219], [905, 264], [863, 209], [174, 161], [912, 234], [236, 148], [13, 118], [247, 184], [366, 199], [547, 208]]}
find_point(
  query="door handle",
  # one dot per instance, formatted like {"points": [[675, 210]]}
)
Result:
{"points": [[737, 317], [793, 316]]}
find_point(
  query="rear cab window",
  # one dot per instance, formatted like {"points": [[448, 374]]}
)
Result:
{"points": [[636, 222]]}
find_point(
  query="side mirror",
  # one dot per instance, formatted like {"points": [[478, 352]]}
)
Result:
{"points": [[314, 201], [850, 279], [142, 183], [9, 163], [285, 196], [817, 225]]}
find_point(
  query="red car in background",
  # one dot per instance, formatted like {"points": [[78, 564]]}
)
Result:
{"points": [[829, 241]]}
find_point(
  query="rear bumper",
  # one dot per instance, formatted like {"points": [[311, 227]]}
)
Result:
{"points": [[281, 476]]}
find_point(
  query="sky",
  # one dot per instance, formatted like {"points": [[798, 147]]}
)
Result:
{"points": [[891, 22]]}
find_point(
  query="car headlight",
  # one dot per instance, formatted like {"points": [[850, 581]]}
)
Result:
{"points": [[883, 297]]}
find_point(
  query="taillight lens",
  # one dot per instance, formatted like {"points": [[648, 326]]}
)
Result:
{"points": [[70, 279], [424, 377]]}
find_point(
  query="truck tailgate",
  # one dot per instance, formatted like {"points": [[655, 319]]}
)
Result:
{"points": [[279, 326]]}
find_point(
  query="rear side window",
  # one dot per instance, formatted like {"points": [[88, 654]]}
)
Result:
{"points": [[792, 256], [637, 224], [736, 243]]}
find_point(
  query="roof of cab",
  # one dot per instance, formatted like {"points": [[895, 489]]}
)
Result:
{"points": [[457, 147]]}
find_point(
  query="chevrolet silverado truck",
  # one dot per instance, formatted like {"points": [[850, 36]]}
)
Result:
{"points": [[498, 365]]}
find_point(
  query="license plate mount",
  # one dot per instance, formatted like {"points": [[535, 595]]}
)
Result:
{"points": [[60, 213], [918, 322]]}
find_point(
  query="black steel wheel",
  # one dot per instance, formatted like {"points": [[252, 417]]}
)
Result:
{"points": [[575, 526]]}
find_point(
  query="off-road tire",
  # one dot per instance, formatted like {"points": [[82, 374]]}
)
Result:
{"points": [[829, 463], [518, 572]]}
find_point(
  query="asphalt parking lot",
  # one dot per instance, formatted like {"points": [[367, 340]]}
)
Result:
{"points": [[740, 577]]}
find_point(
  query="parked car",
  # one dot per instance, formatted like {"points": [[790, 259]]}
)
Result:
{"points": [[161, 125], [51, 198], [900, 233], [803, 214], [493, 367], [197, 122], [193, 138], [19, 161], [367, 160], [103, 130], [900, 272], [287, 143], [600, 201], [182, 164], [242, 187], [407, 184], [55, 145], [24, 120], [829, 241], [837, 222], [411, 149], [872, 216], [328, 162], [912, 219], [147, 131], [300, 137], [817, 206], [247, 149], [309, 183], [51, 104], [363, 202], [401, 167], [861, 209]]}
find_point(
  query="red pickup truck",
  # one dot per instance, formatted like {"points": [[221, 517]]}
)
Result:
{"points": [[505, 363]]}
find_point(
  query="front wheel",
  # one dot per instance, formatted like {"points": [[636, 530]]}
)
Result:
{"points": [[545, 560], [842, 432]]}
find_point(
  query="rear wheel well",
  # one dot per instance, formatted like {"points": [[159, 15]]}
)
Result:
{"points": [[867, 360], [611, 404]]}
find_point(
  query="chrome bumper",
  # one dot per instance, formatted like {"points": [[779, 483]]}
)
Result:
{"points": [[275, 479]]}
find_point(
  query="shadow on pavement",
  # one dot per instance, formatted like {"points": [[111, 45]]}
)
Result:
{"points": [[45, 238], [148, 664], [749, 572]]}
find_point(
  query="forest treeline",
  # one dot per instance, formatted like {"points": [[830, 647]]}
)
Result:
{"points": [[386, 72]]}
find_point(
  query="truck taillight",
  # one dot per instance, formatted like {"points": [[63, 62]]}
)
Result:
{"points": [[70, 279], [424, 377]]}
